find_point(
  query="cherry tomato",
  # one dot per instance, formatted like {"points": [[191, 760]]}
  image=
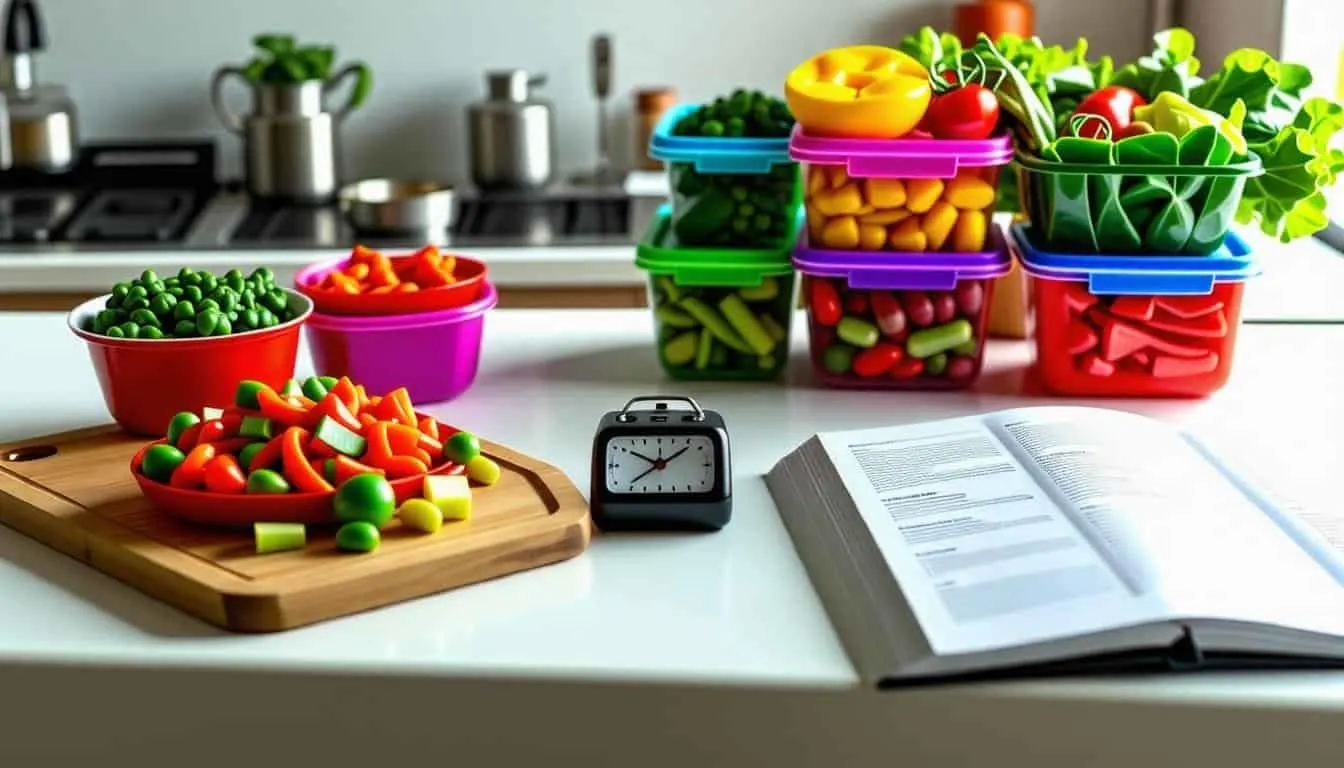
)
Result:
{"points": [[1115, 104], [968, 112]]}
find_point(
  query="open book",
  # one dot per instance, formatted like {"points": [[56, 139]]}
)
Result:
{"points": [[1055, 539]]}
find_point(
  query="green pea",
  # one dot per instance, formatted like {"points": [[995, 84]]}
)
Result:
{"points": [[234, 279], [176, 291], [192, 293], [191, 280], [114, 302], [184, 310], [247, 299], [115, 332], [208, 282], [130, 329], [224, 327], [711, 128], [150, 332], [226, 299], [249, 453], [185, 327], [207, 305], [111, 317], [171, 282], [144, 317], [276, 301], [269, 481], [153, 289], [148, 276], [120, 290], [184, 275], [163, 304], [357, 536], [207, 321], [763, 221], [739, 193], [263, 275], [138, 302], [746, 210], [250, 319], [935, 365], [136, 292], [268, 319], [181, 422], [160, 461], [838, 358]]}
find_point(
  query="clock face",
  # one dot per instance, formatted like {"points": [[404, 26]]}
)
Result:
{"points": [[660, 464]]}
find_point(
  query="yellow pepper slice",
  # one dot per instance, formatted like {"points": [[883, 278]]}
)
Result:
{"points": [[859, 92]]}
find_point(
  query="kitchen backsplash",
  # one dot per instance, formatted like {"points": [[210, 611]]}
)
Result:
{"points": [[141, 68]]}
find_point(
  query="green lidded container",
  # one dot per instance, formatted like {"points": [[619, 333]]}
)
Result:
{"points": [[1155, 195], [721, 315]]}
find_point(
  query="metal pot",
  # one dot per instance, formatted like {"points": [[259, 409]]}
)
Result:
{"points": [[291, 141], [512, 134], [395, 206]]}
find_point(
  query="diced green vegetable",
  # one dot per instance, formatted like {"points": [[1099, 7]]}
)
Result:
{"points": [[259, 427], [357, 536], [267, 481], [314, 389], [180, 423], [160, 461], [246, 394], [279, 537], [339, 437]]}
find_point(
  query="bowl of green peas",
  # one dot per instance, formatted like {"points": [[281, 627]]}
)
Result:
{"points": [[164, 344]]}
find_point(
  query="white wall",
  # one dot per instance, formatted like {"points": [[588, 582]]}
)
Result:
{"points": [[141, 67]]}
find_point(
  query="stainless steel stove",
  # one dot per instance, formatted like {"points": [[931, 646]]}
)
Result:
{"points": [[164, 195]]}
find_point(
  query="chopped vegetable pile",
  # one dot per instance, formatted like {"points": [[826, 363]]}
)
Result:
{"points": [[192, 304], [370, 271], [743, 114], [1256, 103], [324, 435]]}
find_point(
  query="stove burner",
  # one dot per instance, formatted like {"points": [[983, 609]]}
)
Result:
{"points": [[32, 216], [127, 215]]}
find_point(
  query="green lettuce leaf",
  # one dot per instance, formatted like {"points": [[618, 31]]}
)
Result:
{"points": [[1272, 91], [1287, 199], [1171, 66]]}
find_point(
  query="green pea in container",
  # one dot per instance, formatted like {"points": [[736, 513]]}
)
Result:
{"points": [[720, 315], [727, 192], [1146, 194]]}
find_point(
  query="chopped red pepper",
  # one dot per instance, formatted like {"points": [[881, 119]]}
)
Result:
{"points": [[402, 439], [347, 468], [212, 431], [366, 420], [269, 455], [333, 406], [378, 447], [298, 471], [1120, 340], [429, 426], [403, 466], [189, 437], [280, 410], [229, 444], [319, 449], [349, 396], [223, 475], [404, 405], [1169, 367], [362, 398], [423, 456], [190, 474], [387, 410]]}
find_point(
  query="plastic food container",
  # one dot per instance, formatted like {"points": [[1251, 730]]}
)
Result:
{"points": [[718, 314], [1143, 326], [900, 194], [470, 273], [899, 320], [434, 355], [233, 510], [727, 192], [145, 382], [1131, 209]]}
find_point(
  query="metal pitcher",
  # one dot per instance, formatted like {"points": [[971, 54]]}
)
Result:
{"points": [[291, 141]]}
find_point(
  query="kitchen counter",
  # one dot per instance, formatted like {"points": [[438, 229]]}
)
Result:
{"points": [[1302, 282], [647, 650]]}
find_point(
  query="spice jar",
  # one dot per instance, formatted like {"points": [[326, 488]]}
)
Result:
{"points": [[995, 18], [650, 104]]}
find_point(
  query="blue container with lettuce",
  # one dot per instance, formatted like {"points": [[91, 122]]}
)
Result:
{"points": [[1152, 157]]}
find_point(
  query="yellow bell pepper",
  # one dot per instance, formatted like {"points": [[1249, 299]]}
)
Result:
{"points": [[860, 92]]}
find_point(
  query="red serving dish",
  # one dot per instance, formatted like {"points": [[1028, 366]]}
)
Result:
{"points": [[470, 274], [241, 510]]}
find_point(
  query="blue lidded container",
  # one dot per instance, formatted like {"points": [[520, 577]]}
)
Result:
{"points": [[727, 192], [1135, 326]]}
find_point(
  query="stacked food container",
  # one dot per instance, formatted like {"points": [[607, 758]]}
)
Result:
{"points": [[1137, 281], [412, 321], [721, 285], [900, 253]]}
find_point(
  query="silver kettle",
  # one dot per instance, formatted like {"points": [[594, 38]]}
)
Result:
{"points": [[43, 133], [512, 134]]}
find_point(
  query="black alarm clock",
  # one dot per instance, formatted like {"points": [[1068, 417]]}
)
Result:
{"points": [[657, 468]]}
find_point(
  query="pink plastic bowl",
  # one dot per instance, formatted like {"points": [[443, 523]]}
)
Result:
{"points": [[434, 355]]}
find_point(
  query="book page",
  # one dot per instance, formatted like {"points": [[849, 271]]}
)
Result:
{"points": [[985, 557], [1168, 520]]}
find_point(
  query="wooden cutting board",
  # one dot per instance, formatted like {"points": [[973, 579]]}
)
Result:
{"points": [[74, 492]]}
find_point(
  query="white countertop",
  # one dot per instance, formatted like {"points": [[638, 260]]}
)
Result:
{"points": [[1303, 281], [733, 608]]}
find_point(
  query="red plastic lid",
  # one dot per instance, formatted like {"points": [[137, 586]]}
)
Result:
{"points": [[901, 158]]}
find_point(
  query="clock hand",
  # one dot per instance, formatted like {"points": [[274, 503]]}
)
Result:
{"points": [[669, 459], [641, 475], [642, 456]]}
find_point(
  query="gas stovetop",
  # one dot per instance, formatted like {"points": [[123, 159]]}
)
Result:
{"points": [[164, 195]]}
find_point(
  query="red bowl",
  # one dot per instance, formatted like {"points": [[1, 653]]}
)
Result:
{"points": [[146, 381], [470, 274], [230, 510]]}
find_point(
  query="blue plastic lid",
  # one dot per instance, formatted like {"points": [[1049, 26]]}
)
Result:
{"points": [[905, 271], [1119, 275], [715, 154]]}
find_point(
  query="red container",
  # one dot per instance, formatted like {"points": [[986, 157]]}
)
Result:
{"points": [[230, 510], [899, 320], [146, 381], [1135, 326], [470, 274]]}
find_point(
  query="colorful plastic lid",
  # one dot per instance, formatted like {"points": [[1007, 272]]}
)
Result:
{"points": [[892, 271], [1111, 274], [714, 154], [708, 266], [901, 158]]}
